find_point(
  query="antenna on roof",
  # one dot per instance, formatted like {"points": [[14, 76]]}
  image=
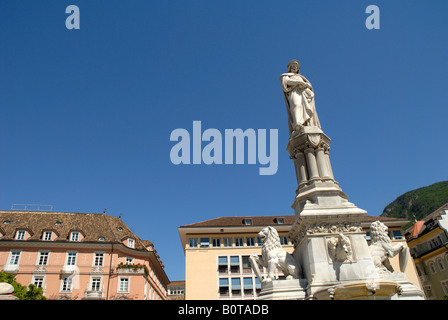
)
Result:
{"points": [[104, 211], [32, 207], [119, 217]]}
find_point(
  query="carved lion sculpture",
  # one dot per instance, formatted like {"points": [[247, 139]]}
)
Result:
{"points": [[273, 256], [381, 248]]}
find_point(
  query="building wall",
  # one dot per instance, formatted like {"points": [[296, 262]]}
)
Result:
{"points": [[140, 285], [431, 260], [202, 269]]}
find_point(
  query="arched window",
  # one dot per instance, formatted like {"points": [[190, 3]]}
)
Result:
{"points": [[432, 267], [440, 264]]}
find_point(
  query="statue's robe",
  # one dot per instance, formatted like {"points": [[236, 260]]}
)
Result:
{"points": [[299, 101]]}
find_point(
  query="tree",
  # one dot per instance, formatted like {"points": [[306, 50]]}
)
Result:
{"points": [[20, 291]]}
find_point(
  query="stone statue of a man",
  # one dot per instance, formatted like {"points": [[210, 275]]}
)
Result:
{"points": [[299, 99]]}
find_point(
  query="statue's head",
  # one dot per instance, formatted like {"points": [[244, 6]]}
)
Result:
{"points": [[294, 66]]}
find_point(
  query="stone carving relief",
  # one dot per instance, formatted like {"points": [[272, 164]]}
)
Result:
{"points": [[340, 248], [333, 228]]}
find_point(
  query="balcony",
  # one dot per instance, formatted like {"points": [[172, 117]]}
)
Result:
{"points": [[93, 295], [68, 269], [13, 268], [133, 268]]}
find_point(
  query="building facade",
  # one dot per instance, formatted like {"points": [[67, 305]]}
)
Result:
{"points": [[80, 256], [428, 242], [217, 254], [176, 290]]}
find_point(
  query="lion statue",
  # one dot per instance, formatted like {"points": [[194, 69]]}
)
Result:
{"points": [[381, 248], [273, 256]]}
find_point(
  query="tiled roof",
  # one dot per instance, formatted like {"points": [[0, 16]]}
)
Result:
{"points": [[93, 226], [266, 221], [425, 225]]}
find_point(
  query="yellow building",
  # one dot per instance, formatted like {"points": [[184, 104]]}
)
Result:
{"points": [[217, 254], [428, 241]]}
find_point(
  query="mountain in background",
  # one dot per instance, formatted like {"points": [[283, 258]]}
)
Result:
{"points": [[416, 204]]}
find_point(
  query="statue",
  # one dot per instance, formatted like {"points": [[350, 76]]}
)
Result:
{"points": [[299, 99], [340, 249], [381, 248], [273, 256]]}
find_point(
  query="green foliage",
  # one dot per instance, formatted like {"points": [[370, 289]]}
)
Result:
{"points": [[135, 267], [416, 204], [20, 291]]}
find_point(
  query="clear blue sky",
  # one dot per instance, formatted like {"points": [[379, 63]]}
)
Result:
{"points": [[86, 115]]}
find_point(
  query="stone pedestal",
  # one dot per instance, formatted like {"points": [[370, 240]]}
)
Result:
{"points": [[327, 235], [324, 215], [6, 292], [293, 289]]}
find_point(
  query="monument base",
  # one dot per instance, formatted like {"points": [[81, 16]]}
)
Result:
{"points": [[293, 289], [406, 289]]}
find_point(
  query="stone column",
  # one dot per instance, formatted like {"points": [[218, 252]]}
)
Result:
{"points": [[301, 169], [312, 164], [322, 163], [327, 158]]}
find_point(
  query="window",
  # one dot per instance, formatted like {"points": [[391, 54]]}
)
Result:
{"points": [[280, 220], [43, 258], [193, 243], [440, 264], [445, 286], [250, 241], [205, 242], [47, 236], [236, 286], [20, 235], [227, 242], [74, 236], [246, 264], [131, 243], [397, 235], [257, 285], [66, 284], [176, 290], [38, 281], [223, 264], [14, 258], [259, 242], [239, 242], [432, 267], [428, 292], [368, 236], [248, 286], [129, 260], [234, 264], [283, 240], [71, 258], [223, 287], [98, 259], [247, 222], [123, 285], [95, 284], [216, 242]]}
